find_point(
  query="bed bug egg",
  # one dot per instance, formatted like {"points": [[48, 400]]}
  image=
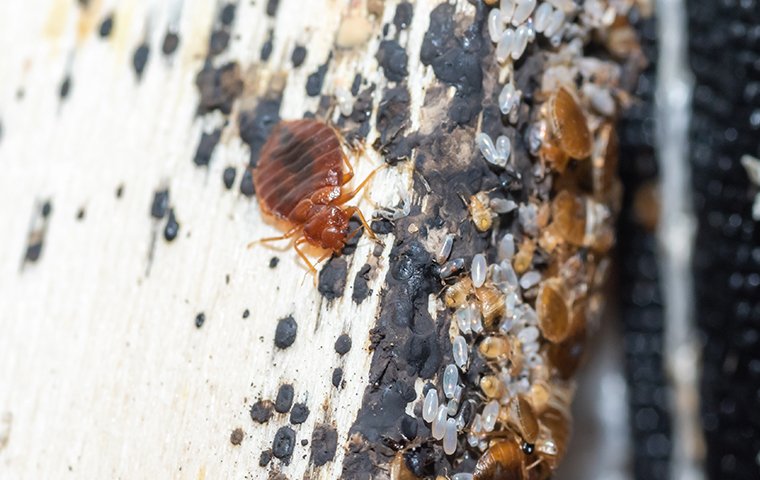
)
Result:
{"points": [[490, 415], [502, 205], [486, 147], [452, 267], [438, 427], [450, 437], [509, 98], [503, 148], [495, 26], [530, 279], [522, 36], [450, 380], [430, 405], [555, 23], [541, 18], [507, 9], [505, 45], [445, 250], [569, 124], [460, 351], [462, 476], [478, 270], [523, 10]]}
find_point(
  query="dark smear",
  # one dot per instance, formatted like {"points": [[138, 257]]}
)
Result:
{"points": [[299, 414], [218, 87], [255, 125], [392, 119], [272, 6], [160, 204], [218, 42], [65, 87], [172, 227], [409, 427], [332, 278], [282, 446], [171, 42], [284, 399], [106, 26], [228, 14], [246, 184], [33, 251], [200, 319], [236, 437], [261, 411], [298, 56], [265, 458], [119, 191], [361, 114], [140, 58], [393, 58], [324, 443], [228, 177], [382, 226], [337, 377], [206, 146], [273, 262], [361, 286], [343, 344], [403, 16], [266, 49], [246, 313], [47, 209], [81, 213], [285, 333], [315, 80]]}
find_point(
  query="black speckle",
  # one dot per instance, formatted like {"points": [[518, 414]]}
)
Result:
{"points": [[206, 147], [218, 87], [246, 313], [236, 437], [160, 204], [140, 58], [218, 42], [33, 251], [409, 427], [392, 119], [299, 414], [382, 226], [343, 344], [298, 56], [65, 87], [266, 49], [356, 84], [119, 191], [47, 209], [261, 411], [106, 26], [282, 446], [403, 16], [324, 443], [255, 125], [393, 58], [172, 227], [81, 213], [171, 42], [284, 399], [361, 287], [315, 81], [228, 14], [272, 6], [386, 29], [265, 458], [200, 319], [228, 177], [304, 442], [285, 334], [332, 278], [273, 262], [246, 184], [337, 377]]}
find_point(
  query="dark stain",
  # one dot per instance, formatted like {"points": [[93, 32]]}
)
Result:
{"points": [[228, 14], [106, 26], [332, 278], [266, 49], [343, 344], [324, 443], [315, 81], [361, 113], [265, 458], [299, 414], [393, 58], [403, 16], [282, 445], [246, 184], [140, 59], [37, 231], [361, 284], [392, 119], [218, 42], [273, 262], [171, 42], [272, 6], [382, 226], [356, 84], [284, 399], [255, 125], [246, 313], [65, 87], [206, 146], [337, 377], [172, 227], [236, 437], [261, 411], [120, 191], [160, 204], [218, 87], [285, 333], [200, 319], [81, 213], [228, 177], [298, 56]]}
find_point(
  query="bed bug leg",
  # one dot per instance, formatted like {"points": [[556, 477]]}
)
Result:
{"points": [[349, 195], [304, 257], [287, 235], [358, 213]]}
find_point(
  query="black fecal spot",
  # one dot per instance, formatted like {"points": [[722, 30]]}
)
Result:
{"points": [[46, 210], [299, 414], [106, 26], [218, 42], [160, 204], [316, 80], [266, 49], [171, 42], [411, 271], [356, 84], [140, 58], [246, 313], [361, 284], [172, 227], [255, 125], [33, 251], [261, 411], [218, 87], [298, 56], [403, 16], [423, 354], [206, 147], [392, 119], [246, 184], [337, 377], [343, 344], [228, 177], [265, 458], [272, 6], [324, 443], [409, 427], [273, 262], [65, 87], [393, 58], [282, 446], [228, 14], [386, 29], [284, 399], [236, 437], [81, 213], [285, 334], [119, 191], [361, 113], [200, 319], [382, 226], [332, 278], [382, 414]]}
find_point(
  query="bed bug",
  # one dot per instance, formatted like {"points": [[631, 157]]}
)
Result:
{"points": [[299, 179], [504, 459]]}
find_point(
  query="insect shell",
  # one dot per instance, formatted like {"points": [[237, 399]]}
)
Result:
{"points": [[299, 179]]}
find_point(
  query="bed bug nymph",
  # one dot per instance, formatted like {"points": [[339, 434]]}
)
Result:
{"points": [[299, 179]]}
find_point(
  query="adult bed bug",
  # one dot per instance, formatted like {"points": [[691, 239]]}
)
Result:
{"points": [[299, 179]]}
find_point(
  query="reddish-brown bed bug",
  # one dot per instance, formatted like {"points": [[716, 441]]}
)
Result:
{"points": [[299, 179]]}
